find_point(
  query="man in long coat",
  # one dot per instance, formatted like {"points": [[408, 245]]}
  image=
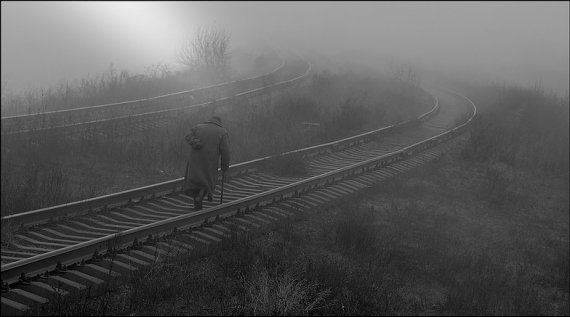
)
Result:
{"points": [[209, 145]]}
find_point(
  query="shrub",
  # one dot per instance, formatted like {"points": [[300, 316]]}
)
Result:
{"points": [[294, 109], [282, 294], [351, 116], [525, 128]]}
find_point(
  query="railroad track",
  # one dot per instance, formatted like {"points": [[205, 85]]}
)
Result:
{"points": [[154, 111], [76, 246]]}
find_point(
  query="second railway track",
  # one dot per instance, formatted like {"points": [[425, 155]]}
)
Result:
{"points": [[75, 235], [151, 111]]}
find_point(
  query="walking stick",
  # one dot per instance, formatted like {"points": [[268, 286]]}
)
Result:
{"points": [[222, 194]]}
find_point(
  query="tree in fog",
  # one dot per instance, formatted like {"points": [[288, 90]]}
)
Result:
{"points": [[405, 73], [208, 51]]}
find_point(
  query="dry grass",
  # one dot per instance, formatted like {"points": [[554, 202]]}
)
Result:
{"points": [[424, 244]]}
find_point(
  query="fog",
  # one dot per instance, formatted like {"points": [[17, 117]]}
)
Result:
{"points": [[513, 42]]}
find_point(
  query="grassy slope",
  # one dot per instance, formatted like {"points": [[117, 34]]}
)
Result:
{"points": [[432, 242]]}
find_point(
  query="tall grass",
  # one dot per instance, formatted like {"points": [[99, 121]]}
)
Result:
{"points": [[107, 87], [113, 85]]}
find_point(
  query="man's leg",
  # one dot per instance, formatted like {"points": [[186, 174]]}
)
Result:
{"points": [[198, 199]]}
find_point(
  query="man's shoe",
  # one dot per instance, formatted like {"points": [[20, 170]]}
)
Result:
{"points": [[201, 194], [210, 198], [197, 205]]}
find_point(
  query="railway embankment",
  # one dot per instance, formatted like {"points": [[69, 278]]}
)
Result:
{"points": [[465, 233], [430, 242]]}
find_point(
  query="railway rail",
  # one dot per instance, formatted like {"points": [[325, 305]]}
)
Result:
{"points": [[76, 246], [146, 110]]}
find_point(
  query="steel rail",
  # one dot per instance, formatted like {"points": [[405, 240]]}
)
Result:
{"points": [[153, 115], [194, 90], [75, 253], [92, 110]]}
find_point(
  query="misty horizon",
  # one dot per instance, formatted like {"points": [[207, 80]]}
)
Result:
{"points": [[519, 43]]}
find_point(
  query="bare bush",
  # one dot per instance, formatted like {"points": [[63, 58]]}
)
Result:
{"points": [[208, 51]]}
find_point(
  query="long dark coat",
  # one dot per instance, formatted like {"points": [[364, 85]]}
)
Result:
{"points": [[208, 147]]}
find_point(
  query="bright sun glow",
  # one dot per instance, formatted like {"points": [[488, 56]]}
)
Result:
{"points": [[153, 29]]}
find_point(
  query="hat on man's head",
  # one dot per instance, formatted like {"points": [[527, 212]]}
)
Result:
{"points": [[216, 119]]}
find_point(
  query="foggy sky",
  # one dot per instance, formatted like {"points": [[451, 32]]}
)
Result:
{"points": [[520, 42]]}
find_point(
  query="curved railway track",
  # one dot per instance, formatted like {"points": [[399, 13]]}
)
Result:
{"points": [[60, 249], [150, 111]]}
